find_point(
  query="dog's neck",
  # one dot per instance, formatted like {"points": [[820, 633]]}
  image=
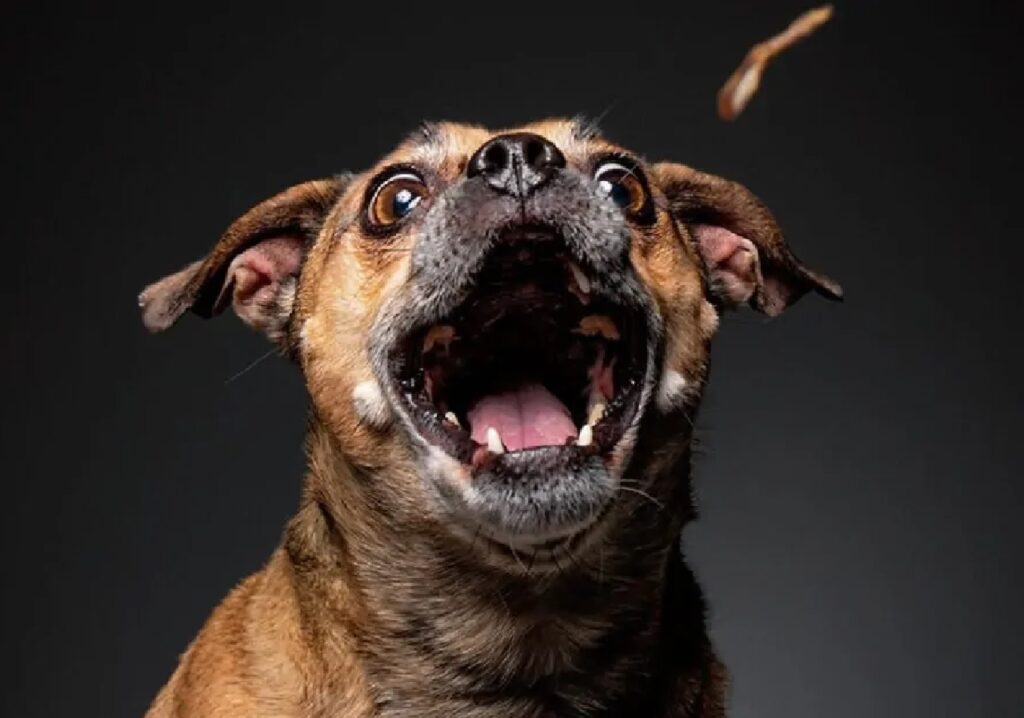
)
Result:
{"points": [[617, 631]]}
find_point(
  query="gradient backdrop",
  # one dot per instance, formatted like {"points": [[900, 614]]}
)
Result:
{"points": [[860, 481]]}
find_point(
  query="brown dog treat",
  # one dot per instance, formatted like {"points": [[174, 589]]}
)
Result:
{"points": [[743, 83]]}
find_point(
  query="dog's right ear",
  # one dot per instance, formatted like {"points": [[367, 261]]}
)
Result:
{"points": [[255, 264]]}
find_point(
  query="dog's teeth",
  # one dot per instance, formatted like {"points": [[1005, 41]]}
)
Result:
{"points": [[494, 444], [442, 334], [581, 279], [586, 435], [598, 324], [597, 405], [452, 419]]}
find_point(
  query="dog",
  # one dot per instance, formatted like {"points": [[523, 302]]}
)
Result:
{"points": [[505, 337]]}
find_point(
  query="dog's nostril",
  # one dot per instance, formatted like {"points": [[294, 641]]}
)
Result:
{"points": [[536, 155], [495, 158]]}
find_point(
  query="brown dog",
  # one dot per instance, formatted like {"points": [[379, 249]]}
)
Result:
{"points": [[505, 338]]}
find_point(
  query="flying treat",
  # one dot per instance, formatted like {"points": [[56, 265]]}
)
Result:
{"points": [[743, 83]]}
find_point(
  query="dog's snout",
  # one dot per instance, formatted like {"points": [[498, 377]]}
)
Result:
{"points": [[516, 164]]}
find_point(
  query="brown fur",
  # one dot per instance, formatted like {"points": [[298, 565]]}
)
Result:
{"points": [[371, 606]]}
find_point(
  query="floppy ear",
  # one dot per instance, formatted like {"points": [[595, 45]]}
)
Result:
{"points": [[255, 265], [747, 259]]}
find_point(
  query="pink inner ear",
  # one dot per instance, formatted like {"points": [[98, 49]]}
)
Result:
{"points": [[260, 269], [732, 261]]}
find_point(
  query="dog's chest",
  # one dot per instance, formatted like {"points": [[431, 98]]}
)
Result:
{"points": [[461, 708], [539, 706], [601, 696]]}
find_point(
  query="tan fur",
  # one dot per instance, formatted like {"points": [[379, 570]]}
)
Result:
{"points": [[336, 623]]}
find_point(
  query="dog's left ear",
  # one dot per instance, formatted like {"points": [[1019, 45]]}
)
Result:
{"points": [[254, 266], [747, 259]]}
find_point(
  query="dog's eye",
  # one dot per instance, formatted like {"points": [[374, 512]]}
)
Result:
{"points": [[396, 198], [621, 185]]}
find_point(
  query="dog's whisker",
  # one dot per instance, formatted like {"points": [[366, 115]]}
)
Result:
{"points": [[643, 494], [604, 114], [689, 420], [252, 365], [554, 560], [572, 557], [476, 535], [518, 560]]}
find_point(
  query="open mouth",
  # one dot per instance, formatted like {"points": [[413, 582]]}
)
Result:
{"points": [[533, 363]]}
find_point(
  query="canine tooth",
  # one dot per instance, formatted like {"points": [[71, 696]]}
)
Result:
{"points": [[451, 418], [494, 444], [581, 279], [597, 405], [598, 324], [586, 436], [442, 334]]}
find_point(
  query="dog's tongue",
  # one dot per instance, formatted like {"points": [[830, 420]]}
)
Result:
{"points": [[526, 417]]}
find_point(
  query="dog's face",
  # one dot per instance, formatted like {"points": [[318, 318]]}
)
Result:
{"points": [[489, 321]]}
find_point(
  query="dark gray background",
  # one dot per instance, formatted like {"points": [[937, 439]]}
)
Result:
{"points": [[860, 483]]}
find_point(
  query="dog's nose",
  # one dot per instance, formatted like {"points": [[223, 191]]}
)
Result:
{"points": [[516, 164]]}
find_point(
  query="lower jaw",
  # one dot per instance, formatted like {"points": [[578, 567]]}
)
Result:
{"points": [[542, 510], [529, 556]]}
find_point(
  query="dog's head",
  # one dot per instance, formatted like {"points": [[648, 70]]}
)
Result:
{"points": [[490, 323]]}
